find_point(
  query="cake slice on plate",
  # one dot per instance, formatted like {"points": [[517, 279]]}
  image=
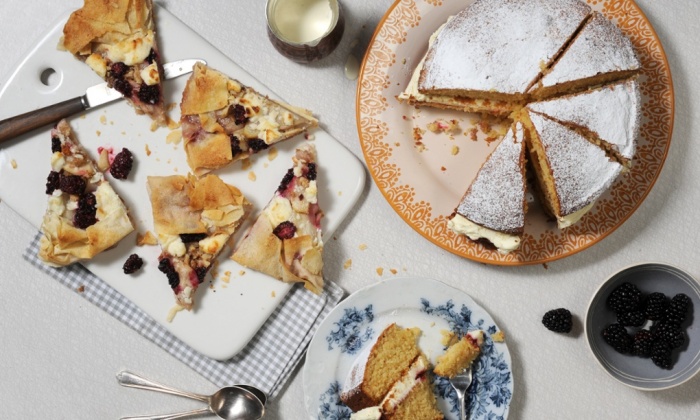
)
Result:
{"points": [[571, 171], [84, 215], [193, 220], [460, 354], [224, 121], [412, 96], [600, 53], [390, 379], [493, 207], [609, 116], [497, 49], [285, 241], [117, 39]]}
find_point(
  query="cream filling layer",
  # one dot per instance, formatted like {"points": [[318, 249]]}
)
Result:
{"points": [[570, 219], [412, 88], [397, 394], [477, 336], [503, 241]]}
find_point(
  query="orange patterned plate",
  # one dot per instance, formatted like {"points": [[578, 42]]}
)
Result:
{"points": [[424, 180]]}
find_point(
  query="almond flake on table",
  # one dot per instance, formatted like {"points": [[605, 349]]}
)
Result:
{"points": [[146, 239], [174, 137], [348, 263], [362, 247]]}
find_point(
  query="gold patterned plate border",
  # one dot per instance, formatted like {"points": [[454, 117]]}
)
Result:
{"points": [[423, 183]]}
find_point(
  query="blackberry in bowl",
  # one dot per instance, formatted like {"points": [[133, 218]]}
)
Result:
{"points": [[638, 334]]}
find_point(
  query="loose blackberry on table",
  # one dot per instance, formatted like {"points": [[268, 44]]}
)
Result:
{"points": [[132, 264], [558, 320], [122, 164]]}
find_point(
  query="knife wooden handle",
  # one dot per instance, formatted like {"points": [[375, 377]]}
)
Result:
{"points": [[20, 124]]}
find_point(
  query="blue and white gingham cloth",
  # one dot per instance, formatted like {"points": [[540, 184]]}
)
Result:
{"points": [[266, 362]]}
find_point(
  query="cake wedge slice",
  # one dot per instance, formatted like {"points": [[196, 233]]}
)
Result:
{"points": [[494, 206], [600, 53], [84, 215], [286, 241], [608, 116], [379, 366], [224, 121], [193, 220], [117, 39], [497, 49], [410, 397], [412, 96], [572, 172]]}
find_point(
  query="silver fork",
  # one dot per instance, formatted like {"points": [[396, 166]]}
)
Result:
{"points": [[461, 383]]}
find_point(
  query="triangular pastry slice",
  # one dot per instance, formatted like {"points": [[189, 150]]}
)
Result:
{"points": [[117, 39], [609, 116], [224, 121], [494, 206], [285, 241], [84, 215], [193, 220], [600, 53], [572, 172]]}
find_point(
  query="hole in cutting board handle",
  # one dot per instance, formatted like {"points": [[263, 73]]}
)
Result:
{"points": [[50, 78]]}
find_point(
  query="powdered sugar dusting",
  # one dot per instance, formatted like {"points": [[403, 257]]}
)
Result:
{"points": [[612, 112], [357, 373], [500, 45], [599, 48], [495, 198], [582, 172]]}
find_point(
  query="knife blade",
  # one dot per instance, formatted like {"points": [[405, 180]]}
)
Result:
{"points": [[94, 96]]}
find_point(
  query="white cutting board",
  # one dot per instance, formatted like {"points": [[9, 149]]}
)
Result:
{"points": [[227, 314]]}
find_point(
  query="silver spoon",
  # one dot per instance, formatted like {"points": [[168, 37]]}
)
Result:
{"points": [[461, 383], [258, 393], [229, 403]]}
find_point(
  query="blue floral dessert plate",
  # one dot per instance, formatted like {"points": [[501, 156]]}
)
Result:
{"points": [[430, 305]]}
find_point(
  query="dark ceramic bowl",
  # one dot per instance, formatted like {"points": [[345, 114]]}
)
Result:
{"points": [[637, 372]]}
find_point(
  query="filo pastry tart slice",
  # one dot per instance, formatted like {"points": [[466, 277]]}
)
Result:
{"points": [[84, 215], [285, 241], [224, 121], [117, 39], [193, 220]]}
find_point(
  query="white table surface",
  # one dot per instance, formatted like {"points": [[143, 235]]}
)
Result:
{"points": [[59, 354]]}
